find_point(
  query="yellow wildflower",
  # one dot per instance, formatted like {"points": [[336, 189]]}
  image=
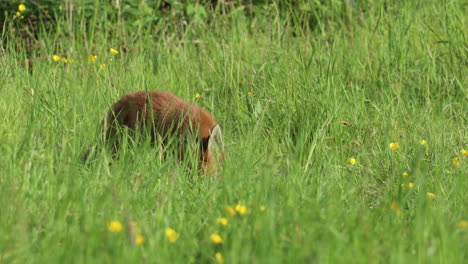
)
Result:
{"points": [[423, 143], [464, 152], [115, 226], [198, 96], [394, 145], [92, 58], [113, 51], [230, 211], [455, 161], [241, 209], [222, 221], [56, 58], [352, 161], [64, 60], [219, 258], [262, 208], [103, 66], [171, 235], [139, 239], [405, 175], [431, 195], [395, 208], [71, 61], [216, 238], [21, 8], [411, 185], [250, 94], [463, 224], [18, 14]]}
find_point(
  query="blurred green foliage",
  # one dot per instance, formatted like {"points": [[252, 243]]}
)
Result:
{"points": [[303, 15]]}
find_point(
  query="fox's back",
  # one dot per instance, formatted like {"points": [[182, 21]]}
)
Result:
{"points": [[166, 112]]}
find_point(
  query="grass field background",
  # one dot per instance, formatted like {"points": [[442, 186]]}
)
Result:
{"points": [[295, 106]]}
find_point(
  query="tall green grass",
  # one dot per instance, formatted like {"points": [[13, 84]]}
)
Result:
{"points": [[395, 73]]}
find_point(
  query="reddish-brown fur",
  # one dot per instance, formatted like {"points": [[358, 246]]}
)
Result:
{"points": [[162, 115]]}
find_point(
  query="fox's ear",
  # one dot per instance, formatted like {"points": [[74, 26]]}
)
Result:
{"points": [[216, 143]]}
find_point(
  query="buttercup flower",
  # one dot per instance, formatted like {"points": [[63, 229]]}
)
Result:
{"points": [[222, 221], [114, 226], [139, 239], [423, 143], [464, 152], [262, 208], [113, 51], [405, 175], [463, 224], [431, 195], [241, 209], [64, 60], [230, 211], [21, 8], [352, 161], [171, 235], [411, 185], [394, 207], [455, 161], [216, 238], [103, 66], [56, 58], [198, 96], [17, 14], [219, 258], [92, 58], [394, 145]]}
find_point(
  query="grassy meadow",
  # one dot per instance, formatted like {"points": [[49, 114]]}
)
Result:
{"points": [[308, 115]]}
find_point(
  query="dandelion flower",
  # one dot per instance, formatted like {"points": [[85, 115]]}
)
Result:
{"points": [[394, 145], [405, 175], [92, 58], [17, 14], [198, 96], [113, 51], [21, 8], [139, 240], [463, 224], [230, 211], [241, 209], [411, 185], [56, 58], [219, 258], [262, 208], [352, 161], [171, 235], [455, 161], [64, 60], [216, 238], [431, 195], [115, 226], [423, 143], [464, 152], [222, 221], [250, 94]]}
